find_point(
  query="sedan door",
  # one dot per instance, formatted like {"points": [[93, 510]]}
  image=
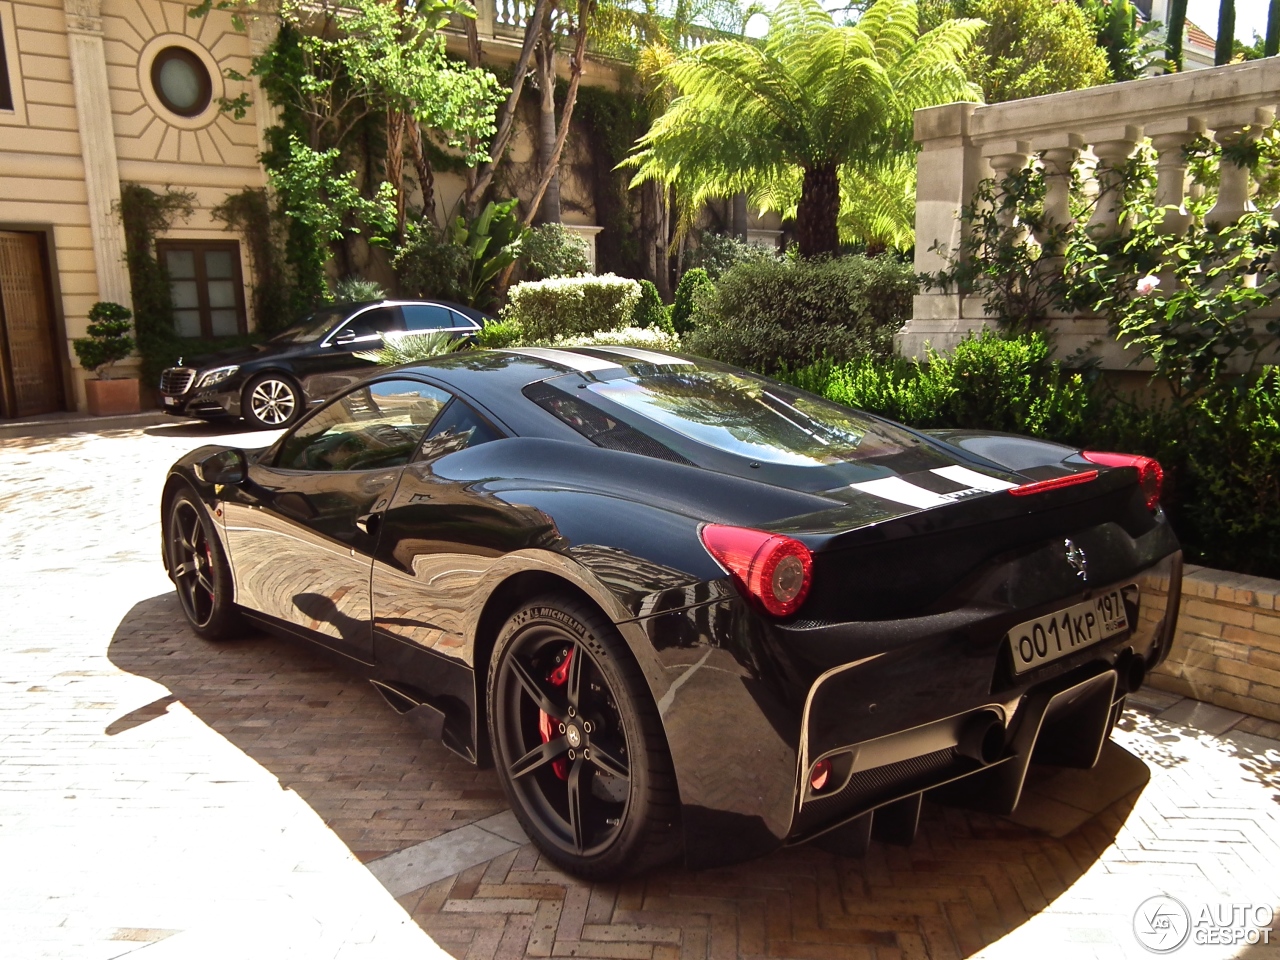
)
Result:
{"points": [[332, 365], [302, 530]]}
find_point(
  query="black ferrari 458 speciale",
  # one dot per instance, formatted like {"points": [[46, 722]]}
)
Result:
{"points": [[684, 608]]}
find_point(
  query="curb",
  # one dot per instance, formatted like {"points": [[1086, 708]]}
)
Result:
{"points": [[73, 423]]}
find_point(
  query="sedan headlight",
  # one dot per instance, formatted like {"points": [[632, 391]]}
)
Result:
{"points": [[216, 375]]}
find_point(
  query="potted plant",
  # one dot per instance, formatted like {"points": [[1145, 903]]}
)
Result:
{"points": [[108, 341]]}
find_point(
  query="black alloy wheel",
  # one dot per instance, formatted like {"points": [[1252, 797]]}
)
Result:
{"points": [[578, 743], [199, 570], [271, 401]]}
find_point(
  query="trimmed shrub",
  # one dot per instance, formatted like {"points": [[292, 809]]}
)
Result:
{"points": [[569, 306], [776, 315], [650, 311], [497, 334], [650, 339], [552, 251], [687, 294], [108, 339]]}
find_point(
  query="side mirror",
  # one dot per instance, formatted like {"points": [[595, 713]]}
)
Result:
{"points": [[345, 337], [227, 467]]}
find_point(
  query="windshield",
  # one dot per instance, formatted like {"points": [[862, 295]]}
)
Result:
{"points": [[313, 327], [761, 421]]}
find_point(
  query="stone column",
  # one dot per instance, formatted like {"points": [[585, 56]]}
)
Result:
{"points": [[262, 31], [98, 147], [1006, 158], [1169, 137], [1233, 180], [1059, 153], [1112, 146]]}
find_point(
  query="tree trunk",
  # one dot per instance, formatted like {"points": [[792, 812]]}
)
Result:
{"points": [[818, 211], [585, 10], [1225, 47], [507, 115], [738, 225], [422, 166], [396, 122], [1272, 44], [546, 54]]}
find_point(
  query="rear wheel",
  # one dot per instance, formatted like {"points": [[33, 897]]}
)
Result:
{"points": [[271, 401], [578, 743], [199, 570]]}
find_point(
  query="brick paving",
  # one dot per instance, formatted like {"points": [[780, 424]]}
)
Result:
{"points": [[159, 793]]}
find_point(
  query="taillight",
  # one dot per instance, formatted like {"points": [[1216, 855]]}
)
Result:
{"points": [[771, 569], [1150, 473]]}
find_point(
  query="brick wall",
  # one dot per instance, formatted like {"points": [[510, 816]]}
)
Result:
{"points": [[1227, 648]]}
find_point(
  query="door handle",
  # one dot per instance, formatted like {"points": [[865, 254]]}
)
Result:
{"points": [[368, 523]]}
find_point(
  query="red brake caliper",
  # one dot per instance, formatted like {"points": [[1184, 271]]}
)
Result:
{"points": [[546, 726]]}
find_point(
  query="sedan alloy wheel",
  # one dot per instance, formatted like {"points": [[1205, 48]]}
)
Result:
{"points": [[272, 402]]}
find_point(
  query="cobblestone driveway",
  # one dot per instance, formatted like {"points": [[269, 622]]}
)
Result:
{"points": [[168, 797]]}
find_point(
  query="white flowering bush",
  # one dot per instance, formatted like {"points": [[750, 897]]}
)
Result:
{"points": [[650, 338], [571, 306]]}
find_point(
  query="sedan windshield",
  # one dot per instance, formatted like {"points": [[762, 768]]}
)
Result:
{"points": [[313, 327]]}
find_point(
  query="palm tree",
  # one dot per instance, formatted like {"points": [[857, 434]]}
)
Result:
{"points": [[814, 105]]}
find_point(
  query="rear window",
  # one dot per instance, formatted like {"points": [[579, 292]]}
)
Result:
{"points": [[716, 417], [755, 419]]}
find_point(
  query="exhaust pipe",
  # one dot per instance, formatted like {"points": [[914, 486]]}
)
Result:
{"points": [[1131, 670], [982, 738]]}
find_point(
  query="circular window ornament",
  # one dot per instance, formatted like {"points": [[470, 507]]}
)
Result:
{"points": [[181, 81]]}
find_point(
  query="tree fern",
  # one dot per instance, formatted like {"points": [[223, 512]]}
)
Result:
{"points": [[814, 112]]}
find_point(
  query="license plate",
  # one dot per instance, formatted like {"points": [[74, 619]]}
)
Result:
{"points": [[1055, 635], [170, 401]]}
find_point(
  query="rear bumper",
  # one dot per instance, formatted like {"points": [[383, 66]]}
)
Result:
{"points": [[1059, 713], [749, 708]]}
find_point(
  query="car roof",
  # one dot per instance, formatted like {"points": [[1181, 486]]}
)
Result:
{"points": [[479, 316]]}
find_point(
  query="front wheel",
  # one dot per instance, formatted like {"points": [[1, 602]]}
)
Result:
{"points": [[199, 570], [271, 401], [578, 743]]}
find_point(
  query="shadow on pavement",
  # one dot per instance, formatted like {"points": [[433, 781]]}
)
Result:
{"points": [[210, 428], [966, 881]]}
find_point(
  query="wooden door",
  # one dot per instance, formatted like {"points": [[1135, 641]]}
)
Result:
{"points": [[29, 361]]}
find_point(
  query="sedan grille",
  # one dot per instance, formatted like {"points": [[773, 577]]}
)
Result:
{"points": [[176, 381]]}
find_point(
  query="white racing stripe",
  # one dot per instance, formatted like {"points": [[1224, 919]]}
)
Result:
{"points": [[575, 361], [905, 492], [900, 491], [973, 479], [646, 356]]}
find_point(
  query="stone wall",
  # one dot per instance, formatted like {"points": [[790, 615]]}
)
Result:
{"points": [[1227, 648]]}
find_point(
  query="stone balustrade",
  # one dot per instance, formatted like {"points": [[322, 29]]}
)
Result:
{"points": [[965, 143]]}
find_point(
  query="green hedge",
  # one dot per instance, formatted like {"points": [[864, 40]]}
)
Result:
{"points": [[778, 314], [570, 306], [1220, 451]]}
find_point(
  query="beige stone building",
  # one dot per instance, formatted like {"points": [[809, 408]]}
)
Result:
{"points": [[92, 93]]}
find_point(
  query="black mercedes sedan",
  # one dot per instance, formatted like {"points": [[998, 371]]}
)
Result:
{"points": [[271, 384], [684, 609]]}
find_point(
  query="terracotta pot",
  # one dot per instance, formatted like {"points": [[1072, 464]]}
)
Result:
{"points": [[108, 398]]}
